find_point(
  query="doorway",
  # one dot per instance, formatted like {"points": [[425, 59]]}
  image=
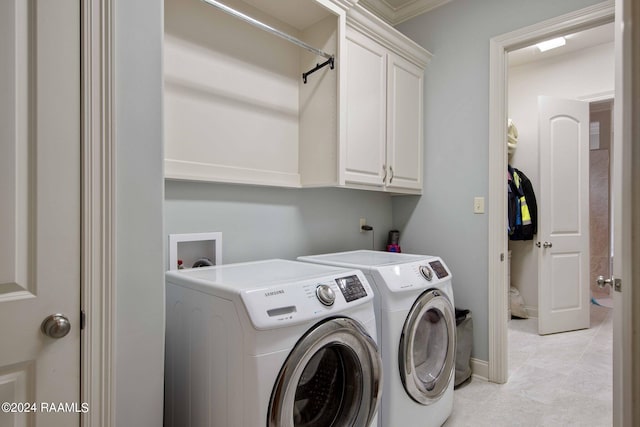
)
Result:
{"points": [[499, 47], [582, 69]]}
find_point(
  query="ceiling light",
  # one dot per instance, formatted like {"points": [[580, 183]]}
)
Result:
{"points": [[551, 44]]}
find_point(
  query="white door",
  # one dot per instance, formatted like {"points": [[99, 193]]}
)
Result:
{"points": [[563, 226], [40, 211]]}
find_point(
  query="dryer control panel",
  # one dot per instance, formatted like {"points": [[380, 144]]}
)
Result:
{"points": [[423, 274], [295, 302]]}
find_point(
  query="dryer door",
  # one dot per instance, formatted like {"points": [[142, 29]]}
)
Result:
{"points": [[333, 377], [428, 347]]}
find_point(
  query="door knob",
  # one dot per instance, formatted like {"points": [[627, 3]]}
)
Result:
{"points": [[614, 282], [602, 282], [547, 244], [56, 326]]}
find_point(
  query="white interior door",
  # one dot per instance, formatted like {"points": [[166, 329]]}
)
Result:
{"points": [[39, 210], [563, 288]]}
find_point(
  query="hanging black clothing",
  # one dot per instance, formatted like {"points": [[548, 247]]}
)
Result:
{"points": [[525, 223]]}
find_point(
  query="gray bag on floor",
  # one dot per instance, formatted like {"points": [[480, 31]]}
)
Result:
{"points": [[464, 345]]}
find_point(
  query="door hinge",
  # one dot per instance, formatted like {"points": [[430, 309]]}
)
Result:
{"points": [[502, 257], [83, 319]]}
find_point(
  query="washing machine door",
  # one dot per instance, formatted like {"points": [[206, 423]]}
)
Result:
{"points": [[332, 377], [427, 347]]}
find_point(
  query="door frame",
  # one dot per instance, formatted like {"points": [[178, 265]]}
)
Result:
{"points": [[500, 46], [97, 262], [626, 171]]}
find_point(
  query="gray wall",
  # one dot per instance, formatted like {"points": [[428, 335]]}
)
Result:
{"points": [[139, 336], [456, 140], [267, 222]]}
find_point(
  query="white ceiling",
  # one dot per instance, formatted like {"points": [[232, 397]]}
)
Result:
{"points": [[397, 11], [577, 41]]}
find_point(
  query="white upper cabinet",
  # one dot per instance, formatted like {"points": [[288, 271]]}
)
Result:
{"points": [[384, 107], [236, 108], [235, 105], [404, 123], [364, 154]]}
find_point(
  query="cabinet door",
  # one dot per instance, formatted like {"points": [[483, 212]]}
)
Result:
{"points": [[363, 156], [404, 124]]}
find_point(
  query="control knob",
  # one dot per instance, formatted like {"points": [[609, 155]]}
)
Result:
{"points": [[426, 272], [325, 294]]}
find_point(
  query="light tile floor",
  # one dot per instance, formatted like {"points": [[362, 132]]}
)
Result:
{"points": [[554, 380]]}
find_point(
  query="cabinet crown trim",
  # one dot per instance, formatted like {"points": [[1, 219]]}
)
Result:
{"points": [[378, 30], [345, 4]]}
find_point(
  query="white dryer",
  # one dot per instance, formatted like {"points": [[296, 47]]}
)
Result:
{"points": [[272, 343], [416, 332]]}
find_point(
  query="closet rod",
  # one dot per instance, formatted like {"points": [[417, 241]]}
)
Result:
{"points": [[267, 28]]}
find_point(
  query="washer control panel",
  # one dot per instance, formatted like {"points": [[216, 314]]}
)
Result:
{"points": [[351, 288], [289, 303]]}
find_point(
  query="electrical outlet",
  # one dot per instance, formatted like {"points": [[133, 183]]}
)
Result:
{"points": [[363, 221], [478, 205]]}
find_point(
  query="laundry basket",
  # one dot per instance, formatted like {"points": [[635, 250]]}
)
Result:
{"points": [[464, 345]]}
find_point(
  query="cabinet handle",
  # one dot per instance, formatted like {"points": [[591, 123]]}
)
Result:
{"points": [[384, 169], [391, 179]]}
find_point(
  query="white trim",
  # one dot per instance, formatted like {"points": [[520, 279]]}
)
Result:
{"points": [[498, 248], [396, 15], [369, 24], [98, 214], [480, 369], [597, 97], [531, 310], [196, 171], [499, 47], [632, 35], [626, 209]]}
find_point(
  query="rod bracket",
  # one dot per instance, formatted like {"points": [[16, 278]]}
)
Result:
{"points": [[329, 62]]}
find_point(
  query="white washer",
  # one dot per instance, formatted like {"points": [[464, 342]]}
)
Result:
{"points": [[416, 332], [272, 343]]}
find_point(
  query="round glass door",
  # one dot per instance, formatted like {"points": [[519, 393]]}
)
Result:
{"points": [[427, 347], [333, 377]]}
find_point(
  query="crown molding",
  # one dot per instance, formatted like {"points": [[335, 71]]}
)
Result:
{"points": [[345, 4], [375, 28], [394, 15]]}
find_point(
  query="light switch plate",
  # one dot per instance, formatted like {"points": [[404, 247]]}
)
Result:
{"points": [[478, 205]]}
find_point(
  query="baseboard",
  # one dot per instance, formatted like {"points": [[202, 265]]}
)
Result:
{"points": [[480, 369], [531, 311]]}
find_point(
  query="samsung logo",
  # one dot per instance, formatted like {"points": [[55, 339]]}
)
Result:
{"points": [[274, 293]]}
